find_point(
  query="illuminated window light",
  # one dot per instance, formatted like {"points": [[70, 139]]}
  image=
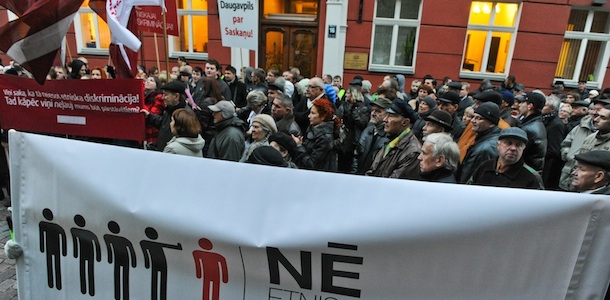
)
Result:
{"points": [[486, 9]]}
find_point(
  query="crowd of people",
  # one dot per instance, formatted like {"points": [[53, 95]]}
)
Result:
{"points": [[441, 131]]}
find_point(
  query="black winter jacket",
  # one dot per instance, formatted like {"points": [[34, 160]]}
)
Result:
{"points": [[535, 150], [484, 148], [316, 152]]}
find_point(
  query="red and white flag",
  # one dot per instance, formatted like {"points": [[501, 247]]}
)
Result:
{"points": [[118, 14], [34, 38]]}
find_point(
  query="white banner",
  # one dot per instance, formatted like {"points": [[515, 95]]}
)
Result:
{"points": [[98, 222], [239, 23]]}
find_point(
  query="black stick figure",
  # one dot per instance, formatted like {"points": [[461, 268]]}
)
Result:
{"points": [[208, 265], [88, 250], [121, 251], [154, 258], [53, 242]]}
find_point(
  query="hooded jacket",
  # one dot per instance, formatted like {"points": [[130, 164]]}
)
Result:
{"points": [[185, 146]]}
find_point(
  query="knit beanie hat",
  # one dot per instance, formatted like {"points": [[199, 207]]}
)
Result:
{"points": [[489, 111], [430, 101], [267, 123]]}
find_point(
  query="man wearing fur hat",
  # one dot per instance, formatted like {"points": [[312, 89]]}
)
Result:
{"points": [[398, 157], [508, 169], [485, 125]]}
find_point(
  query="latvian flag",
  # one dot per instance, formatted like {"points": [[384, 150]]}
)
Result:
{"points": [[34, 39]]}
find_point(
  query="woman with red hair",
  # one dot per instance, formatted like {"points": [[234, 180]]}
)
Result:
{"points": [[316, 146]]}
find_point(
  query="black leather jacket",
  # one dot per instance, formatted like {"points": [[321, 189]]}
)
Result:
{"points": [[484, 148], [535, 151]]}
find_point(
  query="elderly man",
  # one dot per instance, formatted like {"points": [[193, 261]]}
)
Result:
{"points": [[437, 121], [485, 125], [315, 90], [228, 144], [508, 169], [373, 137], [438, 159], [599, 140], [592, 172], [398, 157]]}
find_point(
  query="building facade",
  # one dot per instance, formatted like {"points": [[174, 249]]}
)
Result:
{"points": [[540, 42]]}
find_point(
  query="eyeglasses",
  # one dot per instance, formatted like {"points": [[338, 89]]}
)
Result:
{"points": [[313, 87], [600, 116]]}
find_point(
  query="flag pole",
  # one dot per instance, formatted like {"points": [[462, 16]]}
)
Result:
{"points": [[157, 52], [165, 45]]}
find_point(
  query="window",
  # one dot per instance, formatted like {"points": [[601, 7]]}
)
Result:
{"points": [[92, 33], [584, 53], [492, 28], [395, 31], [193, 29]]}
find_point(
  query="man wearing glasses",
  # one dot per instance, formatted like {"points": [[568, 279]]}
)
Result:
{"points": [[314, 91]]}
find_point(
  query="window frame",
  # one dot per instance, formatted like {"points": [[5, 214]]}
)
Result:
{"points": [[490, 29], [189, 13], [78, 30], [396, 23], [585, 37]]}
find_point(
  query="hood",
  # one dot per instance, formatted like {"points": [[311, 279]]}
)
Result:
{"points": [[401, 82], [193, 144]]}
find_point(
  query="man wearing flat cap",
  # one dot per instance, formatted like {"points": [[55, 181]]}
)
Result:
{"points": [[485, 125], [599, 140], [508, 169], [531, 110], [228, 143], [449, 102], [398, 157], [373, 137], [173, 97], [437, 121], [592, 172]]}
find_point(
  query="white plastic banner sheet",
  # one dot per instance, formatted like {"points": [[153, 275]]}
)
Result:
{"points": [[105, 222], [239, 23]]}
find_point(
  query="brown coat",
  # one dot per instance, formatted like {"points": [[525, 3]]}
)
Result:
{"points": [[401, 161]]}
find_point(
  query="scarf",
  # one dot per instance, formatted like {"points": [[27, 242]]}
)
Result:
{"points": [[395, 141]]}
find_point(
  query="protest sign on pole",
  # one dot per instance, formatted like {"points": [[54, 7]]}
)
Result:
{"points": [[92, 108], [239, 23], [150, 18], [97, 221]]}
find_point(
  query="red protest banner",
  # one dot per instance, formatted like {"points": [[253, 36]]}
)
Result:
{"points": [[94, 108], [150, 18]]}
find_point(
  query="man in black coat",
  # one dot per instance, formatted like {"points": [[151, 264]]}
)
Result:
{"points": [[373, 137], [508, 169], [237, 88], [531, 110], [485, 125], [555, 133]]}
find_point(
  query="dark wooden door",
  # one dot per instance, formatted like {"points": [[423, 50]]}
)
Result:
{"points": [[284, 47]]}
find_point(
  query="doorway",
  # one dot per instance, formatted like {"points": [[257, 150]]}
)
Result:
{"points": [[284, 47]]}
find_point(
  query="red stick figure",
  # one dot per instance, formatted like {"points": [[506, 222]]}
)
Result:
{"points": [[208, 265]]}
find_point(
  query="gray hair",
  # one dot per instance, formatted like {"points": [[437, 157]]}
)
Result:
{"points": [[553, 102], [286, 101], [366, 85], [443, 144], [256, 98]]}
